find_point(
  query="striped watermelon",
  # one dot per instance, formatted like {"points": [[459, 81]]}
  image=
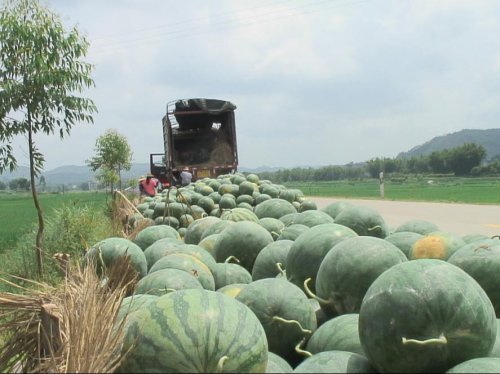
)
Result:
{"points": [[194, 331]]}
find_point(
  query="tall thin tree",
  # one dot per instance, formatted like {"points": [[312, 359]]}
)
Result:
{"points": [[41, 76]]}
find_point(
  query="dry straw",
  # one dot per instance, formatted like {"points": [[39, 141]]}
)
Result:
{"points": [[66, 329]]}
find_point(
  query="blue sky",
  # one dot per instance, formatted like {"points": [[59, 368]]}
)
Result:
{"points": [[315, 82]]}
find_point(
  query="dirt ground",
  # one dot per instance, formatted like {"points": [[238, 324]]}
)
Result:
{"points": [[460, 219]]}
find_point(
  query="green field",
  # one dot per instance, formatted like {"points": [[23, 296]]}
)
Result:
{"points": [[454, 190], [18, 213]]}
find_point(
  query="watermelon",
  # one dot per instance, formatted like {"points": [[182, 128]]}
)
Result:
{"points": [[106, 253], [336, 207], [228, 273], [216, 228], [284, 311], [169, 221], [273, 225], [194, 331], [266, 263], [167, 280], [404, 240], [481, 260], [292, 232], [495, 352], [189, 264], [242, 240], [132, 303], [206, 203], [419, 226], [312, 218], [337, 334], [438, 245], [349, 268], [208, 243], [309, 249], [239, 214], [478, 365], [363, 220], [160, 248], [247, 188], [425, 316], [196, 229], [232, 290], [335, 362], [307, 205], [261, 198], [274, 208], [277, 364], [150, 234], [289, 219]]}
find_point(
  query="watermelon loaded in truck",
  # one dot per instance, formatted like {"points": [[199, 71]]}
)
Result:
{"points": [[199, 134]]}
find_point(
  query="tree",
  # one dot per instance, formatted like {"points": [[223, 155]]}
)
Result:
{"points": [[462, 159], [113, 154], [41, 76], [19, 184], [3, 186]]}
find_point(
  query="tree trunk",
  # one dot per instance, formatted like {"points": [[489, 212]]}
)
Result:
{"points": [[41, 224]]}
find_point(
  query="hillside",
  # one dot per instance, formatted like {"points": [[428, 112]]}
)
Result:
{"points": [[489, 139]]}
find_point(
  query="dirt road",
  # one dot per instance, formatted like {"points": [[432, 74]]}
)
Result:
{"points": [[460, 219]]}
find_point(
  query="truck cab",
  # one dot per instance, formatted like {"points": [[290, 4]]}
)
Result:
{"points": [[199, 134]]}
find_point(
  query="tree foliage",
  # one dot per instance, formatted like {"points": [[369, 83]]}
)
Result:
{"points": [[113, 154], [41, 77]]}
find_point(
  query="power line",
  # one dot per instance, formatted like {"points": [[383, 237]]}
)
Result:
{"points": [[229, 24]]}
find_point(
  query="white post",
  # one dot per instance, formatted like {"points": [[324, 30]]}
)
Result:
{"points": [[381, 180]]}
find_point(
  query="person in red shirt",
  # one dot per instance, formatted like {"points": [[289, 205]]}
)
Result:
{"points": [[148, 186]]}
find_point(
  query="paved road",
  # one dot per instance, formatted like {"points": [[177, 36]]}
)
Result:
{"points": [[460, 219]]}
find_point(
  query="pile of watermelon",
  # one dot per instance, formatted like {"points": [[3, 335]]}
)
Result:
{"points": [[239, 274]]}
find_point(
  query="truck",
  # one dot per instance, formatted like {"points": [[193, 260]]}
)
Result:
{"points": [[198, 134]]}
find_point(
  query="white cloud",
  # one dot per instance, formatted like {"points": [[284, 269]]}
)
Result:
{"points": [[315, 82]]}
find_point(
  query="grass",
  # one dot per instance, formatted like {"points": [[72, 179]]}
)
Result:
{"points": [[18, 213], [444, 189]]}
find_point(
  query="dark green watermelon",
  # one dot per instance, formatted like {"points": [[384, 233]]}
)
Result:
{"points": [[312, 218], [150, 234], [333, 209], [274, 208], [425, 316], [477, 365], [481, 260], [309, 249], [243, 240], [106, 253], [363, 220], [284, 311], [277, 364], [337, 334], [228, 273], [196, 229], [188, 263], [404, 240], [292, 232], [266, 263], [349, 269], [419, 226], [335, 362]]}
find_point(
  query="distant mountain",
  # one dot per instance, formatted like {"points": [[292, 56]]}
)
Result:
{"points": [[77, 174], [489, 139]]}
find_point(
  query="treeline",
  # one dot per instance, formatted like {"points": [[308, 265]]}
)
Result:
{"points": [[465, 160]]}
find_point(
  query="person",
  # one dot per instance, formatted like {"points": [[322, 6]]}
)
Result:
{"points": [[186, 176], [148, 186]]}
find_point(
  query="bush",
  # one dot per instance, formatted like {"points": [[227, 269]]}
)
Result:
{"points": [[70, 229]]}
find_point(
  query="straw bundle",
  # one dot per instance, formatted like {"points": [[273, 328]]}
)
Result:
{"points": [[66, 329]]}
